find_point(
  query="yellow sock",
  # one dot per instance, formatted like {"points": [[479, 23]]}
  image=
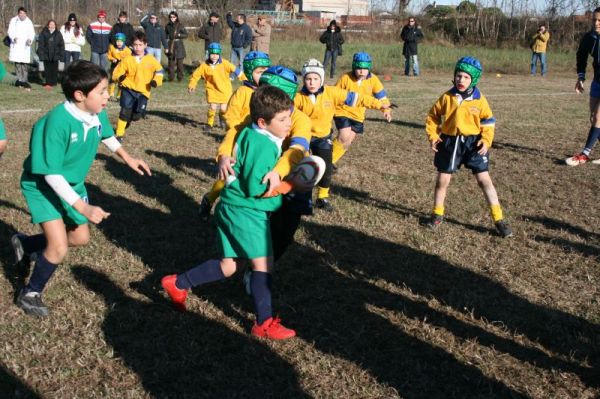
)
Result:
{"points": [[496, 212], [323, 192], [338, 151], [210, 117], [215, 191], [111, 89], [121, 126], [438, 210]]}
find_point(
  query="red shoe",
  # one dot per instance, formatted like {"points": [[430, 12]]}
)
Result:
{"points": [[47, 87], [272, 329], [177, 296], [577, 159]]}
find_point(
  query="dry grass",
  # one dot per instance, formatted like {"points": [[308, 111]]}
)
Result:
{"points": [[383, 307]]}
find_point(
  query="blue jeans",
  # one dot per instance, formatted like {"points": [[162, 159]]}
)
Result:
{"points": [[71, 56], [330, 55], [237, 58], [101, 60], [155, 52], [534, 58], [415, 64]]}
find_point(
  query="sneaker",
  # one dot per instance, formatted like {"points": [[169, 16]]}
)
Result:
{"points": [[31, 303], [120, 139], [324, 204], [26, 86], [204, 210], [503, 229], [434, 222], [177, 296], [246, 280], [17, 245], [272, 329], [577, 159], [48, 87]]}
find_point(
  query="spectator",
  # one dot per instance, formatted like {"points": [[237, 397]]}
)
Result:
{"points": [[50, 49], [98, 36], [212, 32], [539, 42], [261, 35], [21, 34], [155, 35], [411, 34], [73, 38], [175, 50], [333, 40], [122, 26], [241, 38]]}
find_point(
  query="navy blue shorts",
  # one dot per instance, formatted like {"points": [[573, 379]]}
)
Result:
{"points": [[134, 101], [342, 122], [321, 143], [595, 89], [455, 151]]}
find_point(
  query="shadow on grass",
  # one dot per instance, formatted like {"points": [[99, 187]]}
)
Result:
{"points": [[184, 354], [499, 145], [398, 122], [553, 224], [181, 162], [177, 117], [12, 387], [15, 273]]}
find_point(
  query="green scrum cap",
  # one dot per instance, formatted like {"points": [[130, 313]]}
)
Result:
{"points": [[253, 60], [282, 78], [472, 66]]}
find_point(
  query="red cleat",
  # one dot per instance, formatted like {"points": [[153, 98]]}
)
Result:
{"points": [[177, 296], [272, 329]]}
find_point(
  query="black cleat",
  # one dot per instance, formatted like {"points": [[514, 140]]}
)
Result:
{"points": [[324, 204], [31, 303], [434, 222], [204, 210], [503, 229]]}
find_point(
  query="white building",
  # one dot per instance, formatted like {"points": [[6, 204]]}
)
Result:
{"points": [[339, 7]]}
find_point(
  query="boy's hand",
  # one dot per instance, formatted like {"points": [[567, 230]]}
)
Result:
{"points": [[139, 166], [94, 214], [387, 114], [191, 90], [114, 61], [153, 83], [273, 180], [226, 167], [434, 144], [579, 87], [482, 148]]}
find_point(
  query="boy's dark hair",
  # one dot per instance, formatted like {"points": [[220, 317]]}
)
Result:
{"points": [[22, 9], [81, 75], [596, 10], [141, 36], [266, 101], [243, 16], [122, 14]]}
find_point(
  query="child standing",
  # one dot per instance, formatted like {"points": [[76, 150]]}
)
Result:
{"points": [[460, 128], [62, 148], [215, 71], [320, 103], [137, 74], [242, 220], [116, 53], [349, 120]]}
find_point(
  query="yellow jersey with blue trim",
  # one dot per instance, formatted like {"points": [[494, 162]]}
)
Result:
{"points": [[139, 72], [321, 106], [218, 85], [454, 116], [117, 54], [370, 86]]}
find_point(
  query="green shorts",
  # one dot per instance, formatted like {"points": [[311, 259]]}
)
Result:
{"points": [[242, 232], [45, 205]]}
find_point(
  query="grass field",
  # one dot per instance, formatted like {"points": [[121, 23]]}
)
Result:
{"points": [[383, 307]]}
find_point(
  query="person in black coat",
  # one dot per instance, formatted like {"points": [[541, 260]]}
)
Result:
{"points": [[155, 35], [175, 32], [122, 27], [51, 49], [211, 32], [411, 34], [333, 40]]}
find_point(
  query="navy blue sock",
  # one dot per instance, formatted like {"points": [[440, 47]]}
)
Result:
{"points": [[42, 272], [206, 272], [35, 243], [260, 282], [593, 136]]}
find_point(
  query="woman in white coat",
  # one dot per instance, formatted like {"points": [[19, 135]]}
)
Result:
{"points": [[74, 38], [21, 34]]}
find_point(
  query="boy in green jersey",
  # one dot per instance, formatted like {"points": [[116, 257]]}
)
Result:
{"points": [[62, 148]]}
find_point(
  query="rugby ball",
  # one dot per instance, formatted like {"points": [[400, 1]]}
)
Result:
{"points": [[307, 173]]}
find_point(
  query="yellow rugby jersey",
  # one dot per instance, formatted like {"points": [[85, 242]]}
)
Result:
{"points": [[218, 85], [139, 72], [371, 86], [453, 116], [115, 54], [237, 116], [321, 107]]}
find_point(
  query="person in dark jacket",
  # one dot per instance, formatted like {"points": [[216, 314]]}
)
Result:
{"points": [[98, 36], [411, 34], [122, 26], [241, 38], [155, 35], [212, 32], [51, 49], [175, 32], [589, 46], [333, 40]]}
